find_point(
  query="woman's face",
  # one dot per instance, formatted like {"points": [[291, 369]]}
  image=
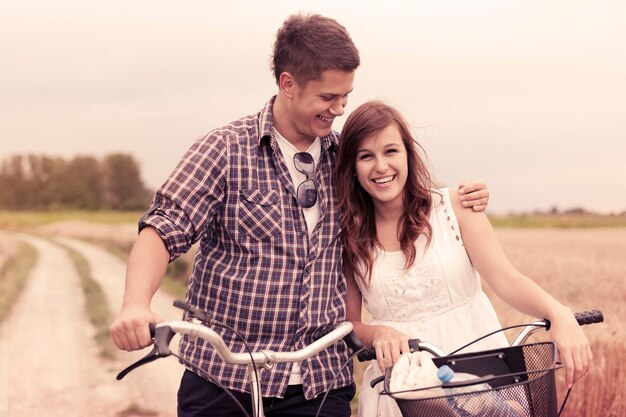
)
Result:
{"points": [[382, 167]]}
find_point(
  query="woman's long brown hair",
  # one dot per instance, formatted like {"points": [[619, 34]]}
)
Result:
{"points": [[357, 210]]}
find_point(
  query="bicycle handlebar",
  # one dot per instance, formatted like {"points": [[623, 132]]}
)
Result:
{"points": [[583, 318], [164, 332]]}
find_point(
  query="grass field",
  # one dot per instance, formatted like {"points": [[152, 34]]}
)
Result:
{"points": [[562, 221], [21, 220], [16, 261], [578, 260]]}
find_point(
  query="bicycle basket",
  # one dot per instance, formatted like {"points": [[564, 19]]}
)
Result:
{"points": [[523, 385]]}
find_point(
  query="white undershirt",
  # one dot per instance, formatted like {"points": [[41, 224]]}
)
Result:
{"points": [[311, 214]]}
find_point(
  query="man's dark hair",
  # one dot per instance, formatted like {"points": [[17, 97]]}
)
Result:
{"points": [[307, 45]]}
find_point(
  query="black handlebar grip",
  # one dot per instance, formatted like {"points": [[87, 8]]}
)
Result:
{"points": [[367, 355], [370, 353], [152, 327], [583, 318], [589, 317], [353, 342]]}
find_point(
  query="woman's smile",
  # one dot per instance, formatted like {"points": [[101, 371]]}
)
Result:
{"points": [[384, 180]]}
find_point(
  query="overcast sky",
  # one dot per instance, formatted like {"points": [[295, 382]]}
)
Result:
{"points": [[528, 96]]}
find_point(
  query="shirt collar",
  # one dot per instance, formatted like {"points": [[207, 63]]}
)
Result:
{"points": [[266, 122]]}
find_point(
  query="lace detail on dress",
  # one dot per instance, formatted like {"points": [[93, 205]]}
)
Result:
{"points": [[412, 295]]}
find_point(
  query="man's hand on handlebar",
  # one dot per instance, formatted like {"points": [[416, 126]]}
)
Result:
{"points": [[130, 329]]}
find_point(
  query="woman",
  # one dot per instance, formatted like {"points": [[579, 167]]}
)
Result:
{"points": [[414, 255]]}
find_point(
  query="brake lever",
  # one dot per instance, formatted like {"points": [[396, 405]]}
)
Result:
{"points": [[162, 336], [194, 312], [152, 356]]}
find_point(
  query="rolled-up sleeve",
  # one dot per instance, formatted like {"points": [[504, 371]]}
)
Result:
{"points": [[184, 205], [171, 224]]}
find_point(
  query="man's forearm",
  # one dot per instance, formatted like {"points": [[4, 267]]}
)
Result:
{"points": [[146, 268]]}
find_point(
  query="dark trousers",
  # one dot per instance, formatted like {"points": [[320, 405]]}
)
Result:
{"points": [[198, 397]]}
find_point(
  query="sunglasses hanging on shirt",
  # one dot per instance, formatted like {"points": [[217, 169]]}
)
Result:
{"points": [[306, 193]]}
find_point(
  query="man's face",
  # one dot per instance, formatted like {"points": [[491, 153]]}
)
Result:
{"points": [[315, 105]]}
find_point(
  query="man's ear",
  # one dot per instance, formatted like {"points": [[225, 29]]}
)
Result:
{"points": [[287, 84]]}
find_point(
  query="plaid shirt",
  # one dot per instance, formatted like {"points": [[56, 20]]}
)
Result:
{"points": [[256, 268]]}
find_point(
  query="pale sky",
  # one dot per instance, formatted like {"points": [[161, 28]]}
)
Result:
{"points": [[528, 96]]}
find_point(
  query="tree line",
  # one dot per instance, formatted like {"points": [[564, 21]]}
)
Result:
{"points": [[40, 182]]}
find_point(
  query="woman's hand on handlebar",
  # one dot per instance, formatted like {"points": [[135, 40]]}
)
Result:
{"points": [[573, 346], [130, 329], [389, 344]]}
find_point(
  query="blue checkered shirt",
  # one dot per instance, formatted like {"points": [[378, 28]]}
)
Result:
{"points": [[256, 268]]}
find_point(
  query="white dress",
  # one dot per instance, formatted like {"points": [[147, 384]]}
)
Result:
{"points": [[438, 300]]}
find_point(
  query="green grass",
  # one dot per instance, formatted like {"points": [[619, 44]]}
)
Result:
{"points": [[12, 220], [25, 220], [13, 277], [21, 220], [175, 280], [570, 221], [175, 287], [96, 306], [135, 410]]}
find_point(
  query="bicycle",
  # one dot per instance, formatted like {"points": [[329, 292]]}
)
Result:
{"points": [[520, 377], [199, 326]]}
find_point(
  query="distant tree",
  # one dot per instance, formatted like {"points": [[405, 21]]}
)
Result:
{"points": [[37, 182], [124, 188], [45, 180], [575, 210], [13, 190], [79, 185]]}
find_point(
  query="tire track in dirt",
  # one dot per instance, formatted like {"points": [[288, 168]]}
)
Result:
{"points": [[49, 363], [154, 386], [47, 343]]}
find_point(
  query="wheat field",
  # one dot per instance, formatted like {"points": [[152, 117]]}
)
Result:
{"points": [[584, 269]]}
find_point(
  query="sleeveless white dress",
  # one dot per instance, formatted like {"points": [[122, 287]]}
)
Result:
{"points": [[439, 299]]}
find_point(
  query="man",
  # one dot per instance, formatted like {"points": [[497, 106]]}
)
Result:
{"points": [[259, 195]]}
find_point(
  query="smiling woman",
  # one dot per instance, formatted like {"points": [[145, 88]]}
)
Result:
{"points": [[414, 257]]}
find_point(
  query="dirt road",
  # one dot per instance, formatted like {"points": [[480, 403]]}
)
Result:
{"points": [[49, 364]]}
